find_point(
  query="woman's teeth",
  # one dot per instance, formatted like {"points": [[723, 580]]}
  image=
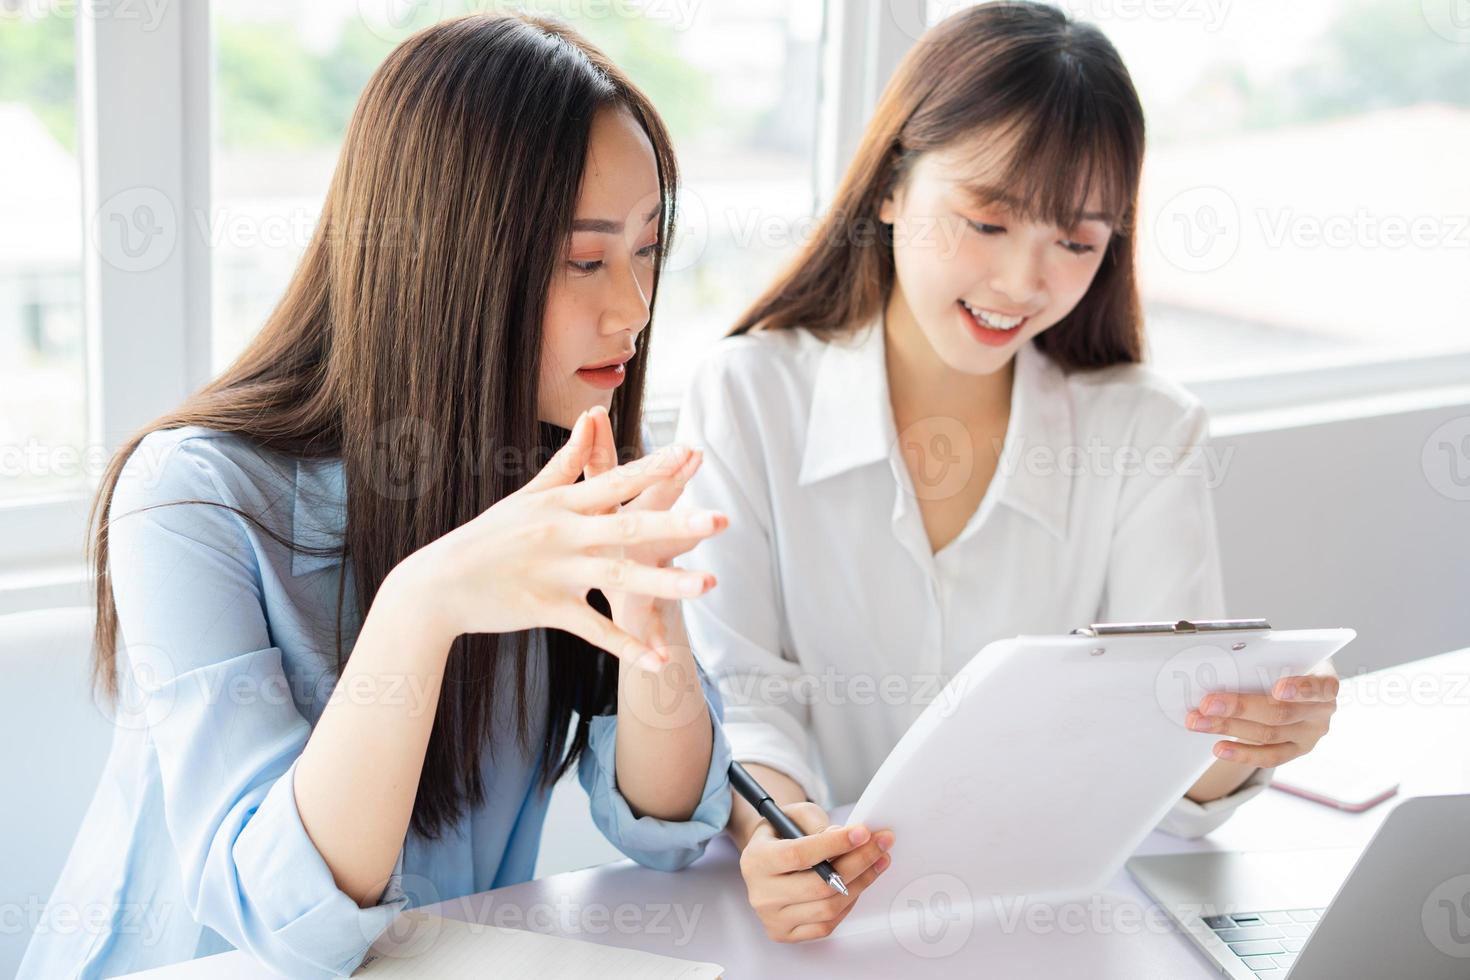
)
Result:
{"points": [[993, 320]]}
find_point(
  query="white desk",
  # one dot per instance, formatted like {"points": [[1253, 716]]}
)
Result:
{"points": [[1421, 710]]}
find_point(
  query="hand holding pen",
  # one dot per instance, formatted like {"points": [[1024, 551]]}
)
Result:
{"points": [[802, 874]]}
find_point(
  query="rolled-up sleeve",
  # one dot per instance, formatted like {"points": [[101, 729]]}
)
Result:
{"points": [[1165, 564], [667, 845], [196, 649]]}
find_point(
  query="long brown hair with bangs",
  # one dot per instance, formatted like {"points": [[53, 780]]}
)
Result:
{"points": [[418, 305], [1012, 67]]}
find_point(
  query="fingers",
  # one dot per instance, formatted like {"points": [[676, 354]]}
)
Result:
{"points": [[664, 494], [1261, 708], [802, 887], [625, 482], [855, 862], [786, 856], [637, 527], [564, 467], [1262, 756], [626, 575], [601, 632], [1309, 687], [1250, 731], [604, 453], [815, 919]]}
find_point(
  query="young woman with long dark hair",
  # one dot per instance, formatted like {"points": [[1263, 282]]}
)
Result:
{"points": [[934, 431], [355, 616]]}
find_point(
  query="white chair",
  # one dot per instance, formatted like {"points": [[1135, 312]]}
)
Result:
{"points": [[54, 739]]}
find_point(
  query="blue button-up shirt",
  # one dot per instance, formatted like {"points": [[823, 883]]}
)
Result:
{"points": [[193, 844]]}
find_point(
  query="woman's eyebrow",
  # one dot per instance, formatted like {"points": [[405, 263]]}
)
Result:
{"points": [[984, 194], [606, 227]]}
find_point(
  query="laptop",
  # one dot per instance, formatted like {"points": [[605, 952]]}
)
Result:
{"points": [[1399, 908]]}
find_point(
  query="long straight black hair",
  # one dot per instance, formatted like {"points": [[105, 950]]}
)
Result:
{"points": [[411, 332]]}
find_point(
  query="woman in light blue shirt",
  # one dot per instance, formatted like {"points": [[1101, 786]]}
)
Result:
{"points": [[288, 773]]}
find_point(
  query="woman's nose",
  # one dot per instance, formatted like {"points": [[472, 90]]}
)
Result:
{"points": [[628, 307], [1016, 276]]}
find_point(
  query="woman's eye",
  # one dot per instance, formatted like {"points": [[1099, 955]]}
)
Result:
{"points": [[650, 250], [585, 265], [985, 229], [1078, 248]]}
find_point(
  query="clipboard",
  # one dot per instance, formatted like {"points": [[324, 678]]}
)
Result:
{"points": [[1046, 760]]}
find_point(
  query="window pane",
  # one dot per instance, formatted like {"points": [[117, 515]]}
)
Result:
{"points": [[42, 361], [737, 86], [1305, 196]]}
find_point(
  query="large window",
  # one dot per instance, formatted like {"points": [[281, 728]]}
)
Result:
{"points": [[1306, 193], [42, 362], [1305, 199], [737, 84]]}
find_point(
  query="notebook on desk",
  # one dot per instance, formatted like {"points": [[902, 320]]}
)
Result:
{"points": [[423, 945]]}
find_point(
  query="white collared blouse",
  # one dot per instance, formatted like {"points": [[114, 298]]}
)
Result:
{"points": [[834, 623]]}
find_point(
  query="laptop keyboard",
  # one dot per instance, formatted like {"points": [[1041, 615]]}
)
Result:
{"points": [[1267, 942]]}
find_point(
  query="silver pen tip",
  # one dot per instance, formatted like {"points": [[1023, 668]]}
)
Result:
{"points": [[836, 882]]}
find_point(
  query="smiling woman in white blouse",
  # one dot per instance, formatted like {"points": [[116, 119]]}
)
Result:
{"points": [[934, 431]]}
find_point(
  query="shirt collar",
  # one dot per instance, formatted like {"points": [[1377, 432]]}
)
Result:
{"points": [[319, 512], [851, 425], [851, 422]]}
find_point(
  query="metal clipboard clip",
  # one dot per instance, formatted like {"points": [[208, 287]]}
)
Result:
{"points": [[1180, 626]]}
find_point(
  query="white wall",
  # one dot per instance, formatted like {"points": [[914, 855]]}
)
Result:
{"points": [[1353, 522]]}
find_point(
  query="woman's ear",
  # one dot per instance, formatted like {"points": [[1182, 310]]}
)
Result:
{"points": [[887, 209]]}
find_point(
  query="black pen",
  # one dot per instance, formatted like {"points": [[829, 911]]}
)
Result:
{"points": [[757, 797]]}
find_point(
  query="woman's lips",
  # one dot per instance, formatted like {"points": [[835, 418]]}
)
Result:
{"points": [[988, 336], [604, 377]]}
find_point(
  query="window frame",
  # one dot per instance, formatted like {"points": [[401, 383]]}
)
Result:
{"points": [[123, 64]]}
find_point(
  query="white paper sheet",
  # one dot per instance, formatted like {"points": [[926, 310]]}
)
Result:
{"points": [[1042, 765]]}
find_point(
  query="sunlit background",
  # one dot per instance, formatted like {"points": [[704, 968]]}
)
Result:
{"points": [[1306, 194]]}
